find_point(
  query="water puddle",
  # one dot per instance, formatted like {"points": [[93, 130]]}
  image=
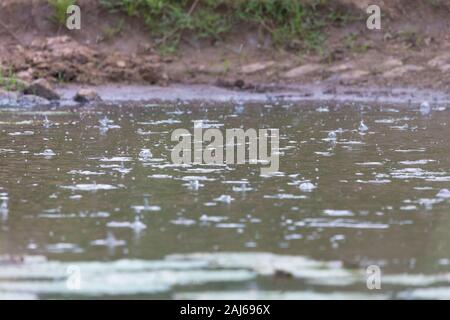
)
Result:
{"points": [[94, 190]]}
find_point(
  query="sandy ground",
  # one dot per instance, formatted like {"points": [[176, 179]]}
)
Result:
{"points": [[412, 50]]}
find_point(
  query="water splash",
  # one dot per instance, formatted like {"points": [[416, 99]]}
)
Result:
{"points": [[145, 155], [307, 186], [362, 127]]}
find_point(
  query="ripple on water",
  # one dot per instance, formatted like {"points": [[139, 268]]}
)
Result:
{"points": [[90, 187]]}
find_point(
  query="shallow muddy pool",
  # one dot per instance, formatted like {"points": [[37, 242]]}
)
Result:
{"points": [[91, 204]]}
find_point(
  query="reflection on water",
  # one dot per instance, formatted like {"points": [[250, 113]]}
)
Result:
{"points": [[95, 188]]}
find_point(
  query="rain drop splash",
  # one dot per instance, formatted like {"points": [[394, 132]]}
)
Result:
{"points": [[194, 185], [109, 242], [425, 108], [443, 193], [145, 155], [47, 153], [242, 188], [224, 198], [332, 135], [137, 225], [47, 123], [362, 127], [145, 207], [4, 210], [307, 186], [104, 123]]}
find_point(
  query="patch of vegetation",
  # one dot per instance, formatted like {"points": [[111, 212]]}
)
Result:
{"points": [[9, 81], [59, 8], [291, 24], [353, 44], [110, 32], [439, 3]]}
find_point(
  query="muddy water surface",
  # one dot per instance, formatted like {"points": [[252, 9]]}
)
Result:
{"points": [[92, 195]]}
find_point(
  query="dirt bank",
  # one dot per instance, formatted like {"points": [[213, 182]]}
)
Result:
{"points": [[411, 50]]}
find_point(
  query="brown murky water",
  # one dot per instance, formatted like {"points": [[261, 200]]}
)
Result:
{"points": [[81, 196]]}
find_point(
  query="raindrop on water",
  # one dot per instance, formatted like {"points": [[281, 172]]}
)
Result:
{"points": [[224, 198], [145, 154], [443, 193], [332, 135], [47, 123], [48, 153], [104, 123], [4, 210], [307, 186], [138, 225], [362, 127], [194, 185], [425, 108]]}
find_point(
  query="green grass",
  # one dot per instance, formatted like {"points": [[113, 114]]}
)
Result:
{"points": [[59, 8], [351, 43], [109, 32], [9, 81], [294, 24]]}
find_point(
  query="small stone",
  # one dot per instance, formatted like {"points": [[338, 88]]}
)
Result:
{"points": [[445, 67], [121, 64], [41, 88], [342, 67], [354, 74], [26, 75], [389, 64], [87, 95], [256, 67], [400, 71], [302, 70], [439, 61]]}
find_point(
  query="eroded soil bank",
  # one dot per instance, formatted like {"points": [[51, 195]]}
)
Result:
{"points": [[411, 50]]}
